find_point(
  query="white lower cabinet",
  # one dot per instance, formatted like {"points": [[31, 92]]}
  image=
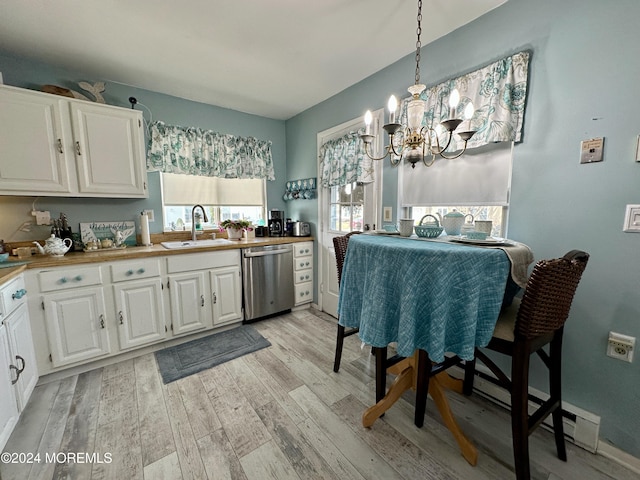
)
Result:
{"points": [[226, 294], [77, 325], [22, 354], [190, 310], [139, 313], [205, 290], [18, 369], [8, 405], [138, 303], [87, 313]]}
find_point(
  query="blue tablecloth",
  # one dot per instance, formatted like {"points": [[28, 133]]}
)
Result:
{"points": [[435, 296]]}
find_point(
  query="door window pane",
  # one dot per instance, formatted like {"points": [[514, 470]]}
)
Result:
{"points": [[347, 208]]}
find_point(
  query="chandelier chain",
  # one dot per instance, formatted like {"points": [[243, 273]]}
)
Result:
{"points": [[418, 43]]}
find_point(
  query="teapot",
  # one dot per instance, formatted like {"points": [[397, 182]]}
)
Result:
{"points": [[54, 246], [452, 222], [468, 226]]}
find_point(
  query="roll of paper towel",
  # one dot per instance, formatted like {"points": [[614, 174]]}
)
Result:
{"points": [[145, 239]]}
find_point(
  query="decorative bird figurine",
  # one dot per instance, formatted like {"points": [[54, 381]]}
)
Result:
{"points": [[96, 89]]}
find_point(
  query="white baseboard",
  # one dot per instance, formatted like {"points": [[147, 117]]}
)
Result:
{"points": [[618, 456], [583, 432]]}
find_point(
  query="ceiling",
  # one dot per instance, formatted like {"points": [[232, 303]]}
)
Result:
{"points": [[272, 58]]}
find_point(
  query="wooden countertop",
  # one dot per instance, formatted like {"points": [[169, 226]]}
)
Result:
{"points": [[109, 255], [7, 273]]}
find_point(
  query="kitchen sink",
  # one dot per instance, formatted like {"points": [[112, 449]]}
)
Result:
{"points": [[196, 244]]}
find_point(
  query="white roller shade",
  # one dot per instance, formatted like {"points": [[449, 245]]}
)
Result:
{"points": [[180, 189], [479, 177]]}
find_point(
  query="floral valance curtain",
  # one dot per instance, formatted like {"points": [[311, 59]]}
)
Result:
{"points": [[498, 93], [193, 151], [343, 161]]}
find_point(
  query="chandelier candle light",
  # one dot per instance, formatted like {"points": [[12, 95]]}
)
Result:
{"points": [[419, 141]]}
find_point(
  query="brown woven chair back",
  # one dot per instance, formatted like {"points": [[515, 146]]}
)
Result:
{"points": [[547, 298], [340, 244]]}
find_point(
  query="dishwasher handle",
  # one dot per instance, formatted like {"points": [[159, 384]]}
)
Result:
{"points": [[264, 253]]}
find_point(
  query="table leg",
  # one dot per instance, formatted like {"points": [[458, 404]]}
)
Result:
{"points": [[467, 449], [414, 372]]}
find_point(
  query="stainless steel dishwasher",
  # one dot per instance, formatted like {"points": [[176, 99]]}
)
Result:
{"points": [[267, 277]]}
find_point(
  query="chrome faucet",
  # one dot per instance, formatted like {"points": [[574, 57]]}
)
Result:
{"points": [[193, 220]]}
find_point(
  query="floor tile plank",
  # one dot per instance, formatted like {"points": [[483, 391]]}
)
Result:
{"points": [[82, 424], [202, 416], [165, 468], [267, 462], [54, 430], [306, 461], [220, 461], [156, 437], [366, 461], [186, 446], [243, 427]]}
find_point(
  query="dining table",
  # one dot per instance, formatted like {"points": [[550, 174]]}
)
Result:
{"points": [[437, 300]]}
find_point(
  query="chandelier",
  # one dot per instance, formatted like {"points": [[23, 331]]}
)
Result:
{"points": [[419, 142]]}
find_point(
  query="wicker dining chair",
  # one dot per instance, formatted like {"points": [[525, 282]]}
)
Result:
{"points": [[340, 244], [525, 328]]}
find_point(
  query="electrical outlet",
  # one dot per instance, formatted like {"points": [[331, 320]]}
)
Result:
{"points": [[621, 346], [150, 215], [42, 218]]}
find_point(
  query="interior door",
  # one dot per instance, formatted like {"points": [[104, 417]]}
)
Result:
{"points": [[343, 209]]}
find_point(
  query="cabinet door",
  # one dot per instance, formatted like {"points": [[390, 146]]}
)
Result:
{"points": [[226, 295], [76, 325], [34, 157], [109, 148], [8, 404], [190, 310], [23, 355], [139, 312]]}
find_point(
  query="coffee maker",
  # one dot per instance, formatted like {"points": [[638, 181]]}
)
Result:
{"points": [[276, 223]]}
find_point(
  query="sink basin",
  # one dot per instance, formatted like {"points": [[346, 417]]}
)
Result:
{"points": [[197, 244]]}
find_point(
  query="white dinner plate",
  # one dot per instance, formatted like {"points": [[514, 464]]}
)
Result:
{"points": [[384, 232], [476, 241]]}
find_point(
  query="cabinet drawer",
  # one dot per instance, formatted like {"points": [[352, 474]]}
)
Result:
{"points": [[135, 270], [302, 276], [12, 295], [64, 279], [303, 293], [302, 263], [202, 261], [303, 249]]}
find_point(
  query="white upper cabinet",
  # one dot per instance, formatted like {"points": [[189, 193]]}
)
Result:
{"points": [[109, 150], [54, 146], [32, 135]]}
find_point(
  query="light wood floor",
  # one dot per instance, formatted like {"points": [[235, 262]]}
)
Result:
{"points": [[279, 413]]}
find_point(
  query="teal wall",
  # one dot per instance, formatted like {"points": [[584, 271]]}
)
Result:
{"points": [[583, 83], [21, 72]]}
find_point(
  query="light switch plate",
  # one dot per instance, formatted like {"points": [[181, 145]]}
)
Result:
{"points": [[632, 219], [150, 215], [638, 150], [591, 150], [387, 214]]}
